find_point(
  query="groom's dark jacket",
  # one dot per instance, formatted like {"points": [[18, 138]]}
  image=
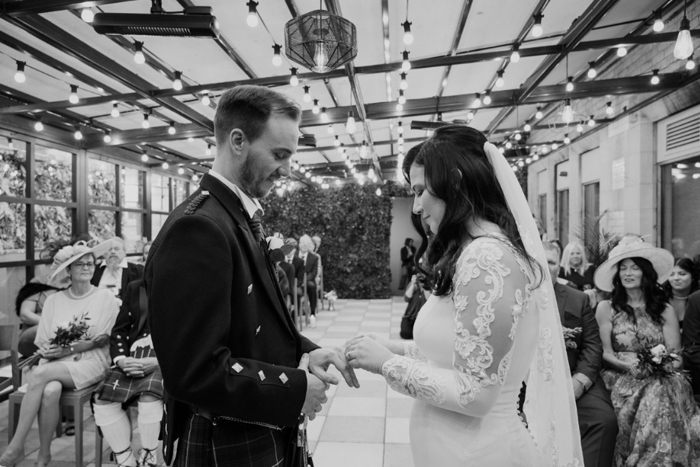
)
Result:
{"points": [[224, 338]]}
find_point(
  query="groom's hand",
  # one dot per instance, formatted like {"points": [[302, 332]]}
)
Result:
{"points": [[321, 359], [315, 391]]}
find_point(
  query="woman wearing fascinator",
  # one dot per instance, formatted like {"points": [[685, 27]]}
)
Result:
{"points": [[76, 365], [490, 324]]}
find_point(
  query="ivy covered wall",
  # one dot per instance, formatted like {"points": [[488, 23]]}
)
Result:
{"points": [[354, 225]]}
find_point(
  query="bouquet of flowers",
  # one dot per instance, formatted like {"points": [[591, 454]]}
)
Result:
{"points": [[66, 335], [656, 361], [570, 336]]}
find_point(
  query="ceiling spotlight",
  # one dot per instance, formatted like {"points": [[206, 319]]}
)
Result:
{"points": [[405, 65], [592, 73], [115, 111], [316, 109], [139, 57], [407, 35], [294, 78], [107, 138], [404, 82], [87, 15], [539, 114], [19, 75], [276, 55], [621, 51], [144, 157], [177, 82], [500, 81], [655, 77], [252, 18], [487, 97], [537, 30], [307, 94], [171, 128], [38, 126], [73, 98], [145, 123], [206, 100], [609, 108], [515, 56], [208, 151], [570, 84]]}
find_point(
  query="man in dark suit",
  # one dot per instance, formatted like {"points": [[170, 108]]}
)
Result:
{"points": [[116, 272], [584, 349], [691, 341], [237, 372], [309, 260]]}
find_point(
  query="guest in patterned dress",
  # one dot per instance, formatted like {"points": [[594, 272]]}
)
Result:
{"points": [[659, 421], [135, 377], [78, 366]]}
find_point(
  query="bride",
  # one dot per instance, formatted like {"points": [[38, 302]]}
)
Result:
{"points": [[491, 322]]}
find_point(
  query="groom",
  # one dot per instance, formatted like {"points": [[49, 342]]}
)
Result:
{"points": [[237, 372]]}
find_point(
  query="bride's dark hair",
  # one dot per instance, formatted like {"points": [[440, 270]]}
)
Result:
{"points": [[458, 172]]}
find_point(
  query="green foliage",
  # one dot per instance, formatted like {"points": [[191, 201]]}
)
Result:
{"points": [[597, 241], [13, 221], [354, 225]]}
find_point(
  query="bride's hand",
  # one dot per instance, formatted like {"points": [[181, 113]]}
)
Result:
{"points": [[367, 353]]}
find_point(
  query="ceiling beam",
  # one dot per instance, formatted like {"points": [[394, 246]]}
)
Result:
{"points": [[461, 22], [578, 30], [33, 7], [61, 40]]}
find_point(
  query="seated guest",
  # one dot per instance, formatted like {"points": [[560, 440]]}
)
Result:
{"points": [[135, 378], [575, 267], [310, 266], [76, 366], [658, 419], [682, 282], [596, 416], [287, 264], [115, 272], [144, 253], [277, 256]]}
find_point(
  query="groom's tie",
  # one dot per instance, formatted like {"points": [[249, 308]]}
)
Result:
{"points": [[256, 227]]}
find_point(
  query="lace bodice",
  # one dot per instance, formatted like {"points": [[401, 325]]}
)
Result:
{"points": [[491, 291]]}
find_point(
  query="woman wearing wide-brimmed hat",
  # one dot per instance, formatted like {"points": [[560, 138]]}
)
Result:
{"points": [[659, 422], [81, 364]]}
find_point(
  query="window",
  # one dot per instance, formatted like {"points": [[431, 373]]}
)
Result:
{"points": [[591, 210], [563, 216], [13, 171], [102, 183], [181, 192], [133, 183], [53, 174], [160, 193], [542, 208], [681, 204]]}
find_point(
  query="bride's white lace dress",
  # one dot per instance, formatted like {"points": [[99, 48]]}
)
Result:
{"points": [[472, 351]]}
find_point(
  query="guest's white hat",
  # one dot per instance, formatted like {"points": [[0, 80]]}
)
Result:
{"points": [[661, 260], [70, 254]]}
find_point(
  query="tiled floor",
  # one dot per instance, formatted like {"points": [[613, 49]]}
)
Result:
{"points": [[358, 427]]}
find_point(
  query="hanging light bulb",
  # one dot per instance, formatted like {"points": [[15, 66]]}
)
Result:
{"points": [[567, 115], [405, 65], [331, 130], [294, 79], [570, 84], [515, 56], [500, 81], [73, 98], [509, 145], [252, 18], [145, 123], [537, 30], [690, 63], [336, 142], [307, 94], [171, 128], [324, 115], [87, 15], [658, 22], [276, 55], [566, 139], [107, 137], [320, 58], [350, 124], [177, 82], [181, 171], [527, 128], [195, 178], [407, 35], [535, 157], [579, 128], [592, 73], [78, 134], [684, 43], [139, 57], [208, 151], [402, 98], [206, 100], [555, 146], [38, 126], [400, 140], [115, 110], [517, 136], [470, 116], [316, 109], [19, 75], [404, 82], [609, 108], [487, 97], [144, 157], [591, 121], [621, 51], [477, 100], [655, 77], [399, 107], [538, 114], [370, 173], [190, 139], [165, 166]]}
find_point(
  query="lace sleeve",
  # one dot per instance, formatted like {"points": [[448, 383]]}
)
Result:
{"points": [[490, 295], [410, 349]]}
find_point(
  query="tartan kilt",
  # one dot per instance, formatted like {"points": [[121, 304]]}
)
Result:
{"points": [[118, 387], [231, 444]]}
